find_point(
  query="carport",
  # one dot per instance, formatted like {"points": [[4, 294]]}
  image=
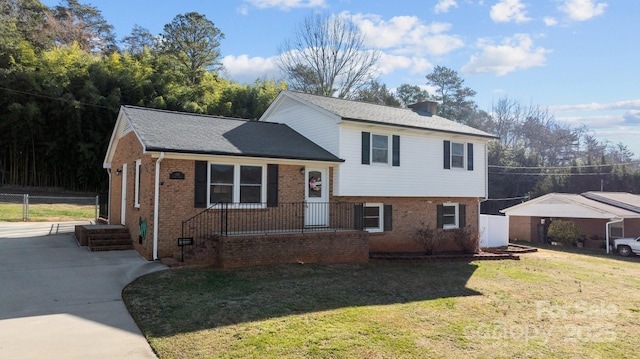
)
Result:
{"points": [[527, 221]]}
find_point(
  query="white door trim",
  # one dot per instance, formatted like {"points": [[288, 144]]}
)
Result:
{"points": [[316, 196], [123, 198]]}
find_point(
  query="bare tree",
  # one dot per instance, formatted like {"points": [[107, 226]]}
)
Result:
{"points": [[72, 21], [327, 56]]}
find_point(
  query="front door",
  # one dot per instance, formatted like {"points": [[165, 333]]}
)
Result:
{"points": [[316, 197]]}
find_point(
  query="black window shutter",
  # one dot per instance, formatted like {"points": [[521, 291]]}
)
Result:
{"points": [[462, 215], [272, 185], [366, 148], [470, 156], [388, 217], [447, 155], [440, 221], [200, 177], [396, 151], [358, 217]]}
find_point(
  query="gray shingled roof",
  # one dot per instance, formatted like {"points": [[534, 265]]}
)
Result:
{"points": [[179, 132], [395, 116]]}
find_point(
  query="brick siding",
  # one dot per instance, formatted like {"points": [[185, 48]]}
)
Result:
{"points": [[410, 214], [339, 247], [177, 204]]}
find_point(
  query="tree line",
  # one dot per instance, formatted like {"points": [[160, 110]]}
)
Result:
{"points": [[64, 75]]}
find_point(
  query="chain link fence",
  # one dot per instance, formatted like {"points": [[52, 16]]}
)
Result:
{"points": [[24, 207]]}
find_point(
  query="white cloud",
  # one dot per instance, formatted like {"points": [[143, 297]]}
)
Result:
{"points": [[443, 6], [508, 11], [245, 69], [595, 106], [406, 35], [389, 63], [632, 117], [592, 122], [582, 10], [549, 21], [285, 4], [243, 9], [515, 53]]}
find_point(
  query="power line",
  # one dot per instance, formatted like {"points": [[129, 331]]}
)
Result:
{"points": [[565, 167], [550, 174], [56, 98]]}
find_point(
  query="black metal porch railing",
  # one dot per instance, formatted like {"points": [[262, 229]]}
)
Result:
{"points": [[230, 219], [103, 205]]}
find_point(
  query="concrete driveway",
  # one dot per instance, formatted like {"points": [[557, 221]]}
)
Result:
{"points": [[58, 300]]}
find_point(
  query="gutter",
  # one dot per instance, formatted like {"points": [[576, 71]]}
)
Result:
{"points": [[156, 207], [608, 227]]}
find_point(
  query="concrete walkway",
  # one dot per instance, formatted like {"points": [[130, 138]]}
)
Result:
{"points": [[58, 300]]}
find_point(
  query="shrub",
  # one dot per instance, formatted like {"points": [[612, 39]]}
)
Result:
{"points": [[431, 239], [466, 238], [564, 231]]}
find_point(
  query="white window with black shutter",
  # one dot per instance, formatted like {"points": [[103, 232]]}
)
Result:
{"points": [[380, 149], [451, 215], [241, 184], [457, 155], [374, 217]]}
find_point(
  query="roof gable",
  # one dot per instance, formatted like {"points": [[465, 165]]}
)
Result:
{"points": [[178, 132], [565, 205], [357, 111]]}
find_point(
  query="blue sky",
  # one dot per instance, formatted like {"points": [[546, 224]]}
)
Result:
{"points": [[578, 58]]}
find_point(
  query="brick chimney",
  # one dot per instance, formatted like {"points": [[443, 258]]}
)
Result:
{"points": [[427, 108]]}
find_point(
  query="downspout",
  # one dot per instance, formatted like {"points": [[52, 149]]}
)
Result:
{"points": [[608, 230], [109, 197], [156, 207]]}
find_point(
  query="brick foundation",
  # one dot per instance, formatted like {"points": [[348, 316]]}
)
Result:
{"points": [[334, 247]]}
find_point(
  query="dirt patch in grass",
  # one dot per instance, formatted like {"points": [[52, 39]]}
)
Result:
{"points": [[548, 304]]}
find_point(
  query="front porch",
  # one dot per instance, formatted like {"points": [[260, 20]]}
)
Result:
{"points": [[245, 234]]}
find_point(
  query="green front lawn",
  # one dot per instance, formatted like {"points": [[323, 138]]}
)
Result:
{"points": [[13, 212], [548, 304]]}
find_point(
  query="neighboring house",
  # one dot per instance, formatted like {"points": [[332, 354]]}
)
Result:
{"points": [[601, 215], [408, 166], [315, 179]]}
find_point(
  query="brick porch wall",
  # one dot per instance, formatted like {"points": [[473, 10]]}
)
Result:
{"points": [[177, 202], [339, 247]]}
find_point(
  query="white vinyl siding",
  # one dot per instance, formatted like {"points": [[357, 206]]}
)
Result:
{"points": [[421, 173], [314, 124]]}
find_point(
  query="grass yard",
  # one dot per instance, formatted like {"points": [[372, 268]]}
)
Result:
{"points": [[549, 304], [12, 212]]}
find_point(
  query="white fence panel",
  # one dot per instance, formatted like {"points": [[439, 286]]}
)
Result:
{"points": [[494, 231]]}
